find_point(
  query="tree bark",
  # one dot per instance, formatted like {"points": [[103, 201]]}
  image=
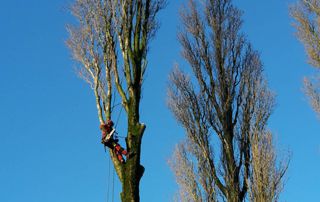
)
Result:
{"points": [[132, 169]]}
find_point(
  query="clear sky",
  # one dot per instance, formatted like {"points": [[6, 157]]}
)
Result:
{"points": [[49, 139]]}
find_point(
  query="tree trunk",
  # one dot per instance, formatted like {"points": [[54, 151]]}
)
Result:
{"points": [[132, 170], [233, 195]]}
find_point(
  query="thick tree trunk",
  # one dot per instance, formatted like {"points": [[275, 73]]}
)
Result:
{"points": [[233, 186], [132, 170]]}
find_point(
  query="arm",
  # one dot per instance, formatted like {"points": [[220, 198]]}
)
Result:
{"points": [[109, 135]]}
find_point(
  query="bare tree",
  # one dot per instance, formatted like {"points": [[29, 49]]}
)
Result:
{"points": [[110, 42], [222, 113], [307, 16]]}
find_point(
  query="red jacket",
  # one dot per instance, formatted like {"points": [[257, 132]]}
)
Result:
{"points": [[106, 129]]}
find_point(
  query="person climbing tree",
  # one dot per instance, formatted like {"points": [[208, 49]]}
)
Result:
{"points": [[110, 43], [109, 141]]}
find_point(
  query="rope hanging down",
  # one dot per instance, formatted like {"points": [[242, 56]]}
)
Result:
{"points": [[108, 184], [115, 126], [109, 162], [108, 180]]}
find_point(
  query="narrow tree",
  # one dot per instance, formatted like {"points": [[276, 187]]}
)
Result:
{"points": [[307, 16], [224, 113], [110, 42]]}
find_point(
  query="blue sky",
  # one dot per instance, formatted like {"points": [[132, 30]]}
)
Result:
{"points": [[49, 140]]}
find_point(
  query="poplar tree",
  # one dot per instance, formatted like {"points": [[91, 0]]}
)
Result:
{"points": [[224, 107], [110, 42]]}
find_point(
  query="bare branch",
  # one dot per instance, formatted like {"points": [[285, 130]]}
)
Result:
{"points": [[96, 93], [307, 13], [307, 22], [229, 99], [266, 181], [186, 175], [312, 90]]}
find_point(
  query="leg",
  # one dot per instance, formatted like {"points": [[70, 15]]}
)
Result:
{"points": [[119, 149], [119, 156]]}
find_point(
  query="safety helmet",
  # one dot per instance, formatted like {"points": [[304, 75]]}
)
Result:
{"points": [[109, 123]]}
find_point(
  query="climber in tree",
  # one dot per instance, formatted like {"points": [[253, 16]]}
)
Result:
{"points": [[111, 142]]}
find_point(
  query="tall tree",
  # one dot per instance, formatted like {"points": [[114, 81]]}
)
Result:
{"points": [[307, 16], [224, 108], [110, 42]]}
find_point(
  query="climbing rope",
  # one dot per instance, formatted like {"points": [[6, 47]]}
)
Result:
{"points": [[115, 126], [108, 185], [118, 117], [113, 170], [108, 180], [113, 184]]}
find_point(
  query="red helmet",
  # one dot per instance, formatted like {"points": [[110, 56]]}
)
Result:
{"points": [[109, 123]]}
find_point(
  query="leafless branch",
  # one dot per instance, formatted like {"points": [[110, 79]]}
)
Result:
{"points": [[312, 89], [266, 181], [228, 99], [307, 22]]}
